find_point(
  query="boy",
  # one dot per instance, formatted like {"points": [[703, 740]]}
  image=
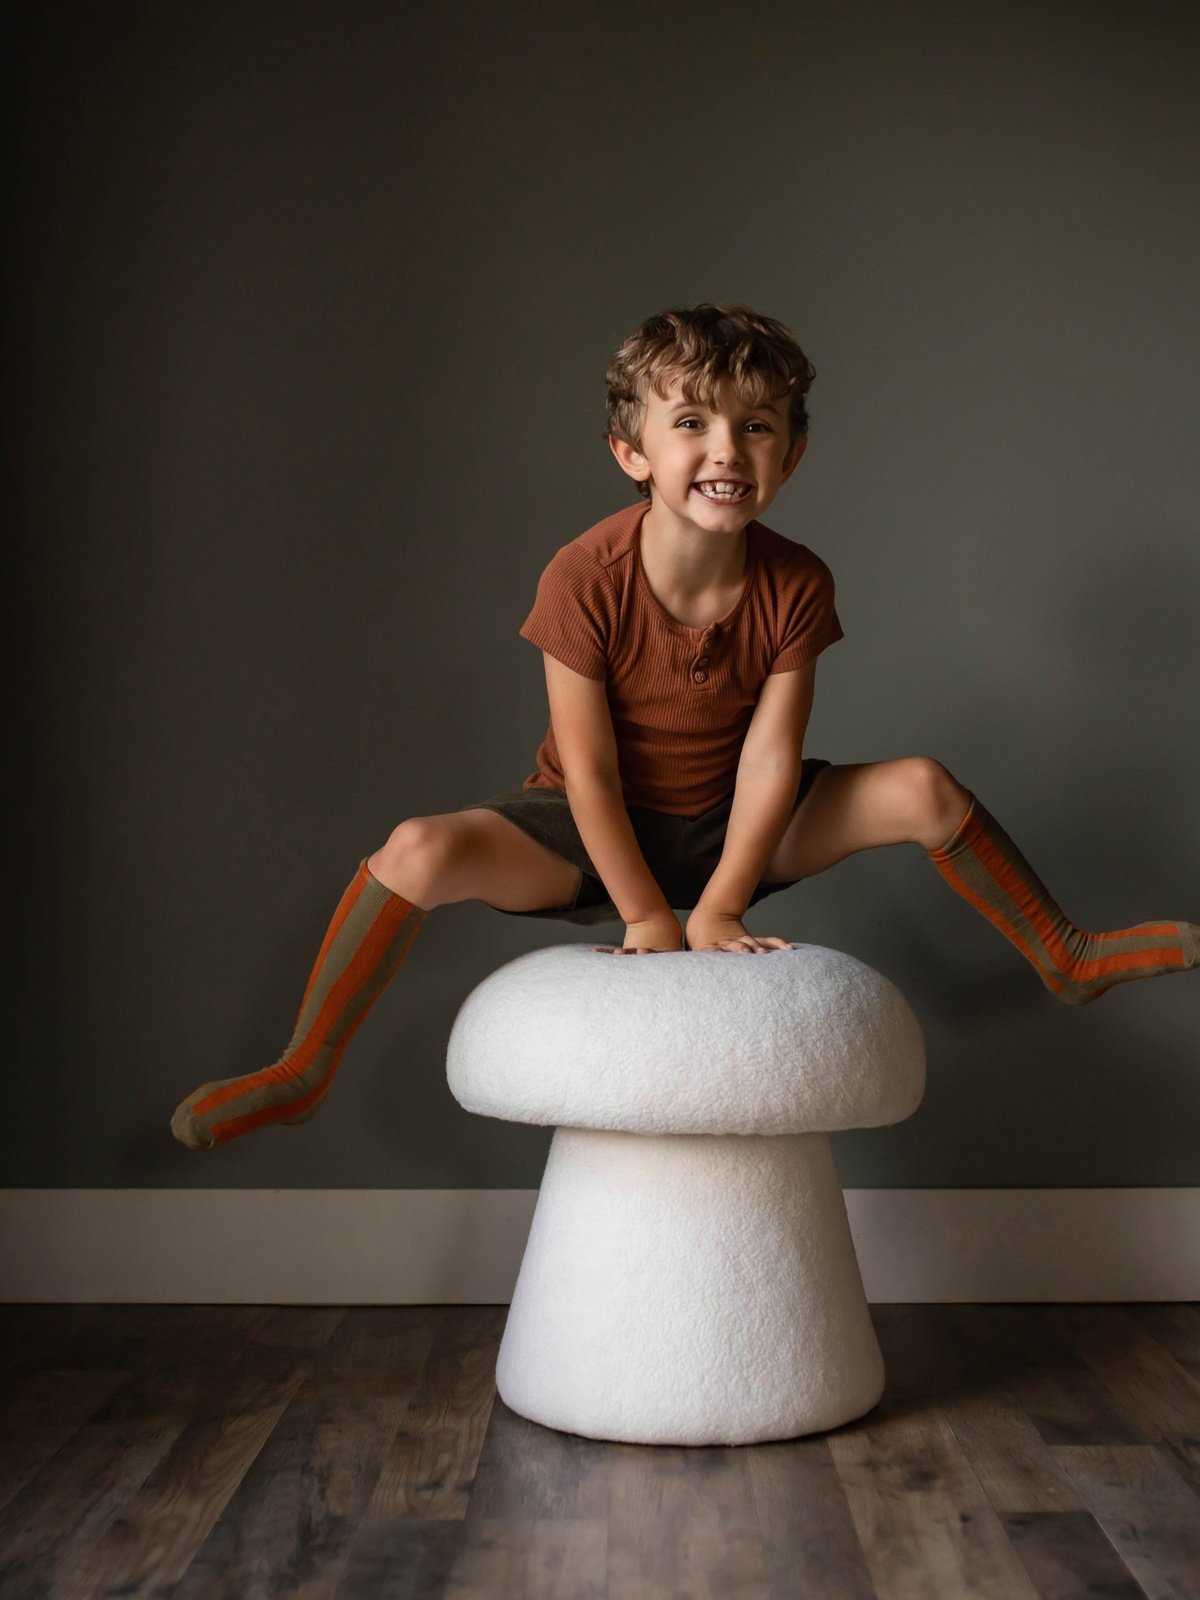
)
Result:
{"points": [[680, 639]]}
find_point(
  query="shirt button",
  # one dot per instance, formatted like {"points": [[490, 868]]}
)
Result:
{"points": [[699, 677], [702, 661]]}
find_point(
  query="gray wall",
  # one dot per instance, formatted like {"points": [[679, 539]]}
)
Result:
{"points": [[312, 309]]}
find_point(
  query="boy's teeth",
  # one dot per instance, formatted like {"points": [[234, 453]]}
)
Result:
{"points": [[723, 491]]}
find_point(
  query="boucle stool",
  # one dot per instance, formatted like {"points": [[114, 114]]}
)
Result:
{"points": [[689, 1277]]}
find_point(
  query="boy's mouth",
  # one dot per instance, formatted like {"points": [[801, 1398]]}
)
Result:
{"points": [[726, 491]]}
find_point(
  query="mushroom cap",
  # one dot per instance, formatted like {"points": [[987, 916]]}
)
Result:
{"points": [[695, 1041]]}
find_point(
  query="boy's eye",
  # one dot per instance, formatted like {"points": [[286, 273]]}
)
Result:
{"points": [[683, 422]]}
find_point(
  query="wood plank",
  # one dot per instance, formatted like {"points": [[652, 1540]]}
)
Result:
{"points": [[375, 1351], [683, 1522], [1175, 1325], [1147, 1384], [400, 1558], [111, 1336], [204, 1325], [288, 1527], [530, 1473], [809, 1542], [362, 1452], [154, 1536], [562, 1558], [296, 1327], [923, 1521], [429, 1468], [38, 1414], [71, 1499], [1008, 1455], [1068, 1555], [1147, 1511], [1063, 1399], [172, 1384], [37, 1336], [1014, 1465], [926, 1362]]}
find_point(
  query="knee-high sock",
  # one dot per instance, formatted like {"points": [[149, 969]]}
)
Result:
{"points": [[980, 862], [364, 945]]}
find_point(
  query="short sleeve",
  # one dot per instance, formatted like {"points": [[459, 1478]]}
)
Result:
{"points": [[809, 622], [574, 612]]}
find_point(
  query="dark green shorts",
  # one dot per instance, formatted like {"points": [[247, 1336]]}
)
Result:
{"points": [[681, 852]]}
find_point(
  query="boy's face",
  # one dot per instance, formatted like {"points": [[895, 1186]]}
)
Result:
{"points": [[714, 466]]}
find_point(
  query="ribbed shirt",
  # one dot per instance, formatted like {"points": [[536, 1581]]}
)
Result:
{"points": [[681, 698]]}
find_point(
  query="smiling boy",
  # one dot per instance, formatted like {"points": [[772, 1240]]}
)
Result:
{"points": [[680, 638], [711, 469]]}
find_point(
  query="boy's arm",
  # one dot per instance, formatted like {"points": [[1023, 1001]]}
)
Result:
{"points": [[587, 748], [764, 795]]}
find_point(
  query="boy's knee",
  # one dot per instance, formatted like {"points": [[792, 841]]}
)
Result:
{"points": [[931, 788], [417, 854]]}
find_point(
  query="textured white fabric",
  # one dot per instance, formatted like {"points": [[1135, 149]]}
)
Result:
{"points": [[689, 1276], [689, 1290], [689, 1042]]}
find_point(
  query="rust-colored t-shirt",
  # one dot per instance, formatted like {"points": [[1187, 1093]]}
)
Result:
{"points": [[681, 698]]}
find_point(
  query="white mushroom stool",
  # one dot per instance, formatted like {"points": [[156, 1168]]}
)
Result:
{"points": [[689, 1277]]}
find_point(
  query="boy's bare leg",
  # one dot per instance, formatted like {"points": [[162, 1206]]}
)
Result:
{"points": [[860, 807], [916, 800], [427, 861], [473, 855]]}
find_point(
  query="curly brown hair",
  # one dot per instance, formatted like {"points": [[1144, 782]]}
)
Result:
{"points": [[705, 346]]}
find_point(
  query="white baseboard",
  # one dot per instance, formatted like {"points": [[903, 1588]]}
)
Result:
{"points": [[464, 1246]]}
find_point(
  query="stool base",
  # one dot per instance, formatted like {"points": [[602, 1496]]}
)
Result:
{"points": [[689, 1289]]}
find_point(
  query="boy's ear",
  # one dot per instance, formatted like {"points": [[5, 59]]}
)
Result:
{"points": [[792, 460], [629, 459]]}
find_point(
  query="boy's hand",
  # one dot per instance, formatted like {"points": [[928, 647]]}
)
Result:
{"points": [[657, 933], [708, 930]]}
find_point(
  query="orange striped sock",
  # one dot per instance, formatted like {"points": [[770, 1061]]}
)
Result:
{"points": [[980, 862], [364, 945]]}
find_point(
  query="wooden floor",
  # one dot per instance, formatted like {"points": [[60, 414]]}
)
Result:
{"points": [[249, 1451]]}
